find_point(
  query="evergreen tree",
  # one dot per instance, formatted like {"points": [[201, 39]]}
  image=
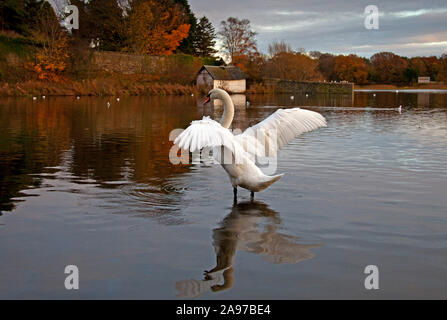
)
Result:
{"points": [[83, 32], [105, 20], [12, 15], [187, 45], [34, 9], [205, 38], [19, 15]]}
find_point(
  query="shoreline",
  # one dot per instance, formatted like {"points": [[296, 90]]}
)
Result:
{"points": [[428, 86], [95, 87], [103, 87]]}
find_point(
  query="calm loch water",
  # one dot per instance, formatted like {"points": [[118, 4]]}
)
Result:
{"points": [[86, 185]]}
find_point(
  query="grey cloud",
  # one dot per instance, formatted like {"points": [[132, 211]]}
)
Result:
{"points": [[406, 27]]}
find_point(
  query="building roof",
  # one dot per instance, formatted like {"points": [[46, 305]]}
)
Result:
{"points": [[224, 73]]}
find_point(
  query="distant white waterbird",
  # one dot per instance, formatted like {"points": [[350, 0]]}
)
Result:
{"points": [[247, 103], [43, 97], [374, 95], [34, 98], [307, 96], [292, 97], [400, 109], [78, 97], [108, 104], [261, 140], [118, 99]]}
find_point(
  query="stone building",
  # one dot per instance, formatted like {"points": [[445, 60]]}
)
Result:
{"points": [[229, 78]]}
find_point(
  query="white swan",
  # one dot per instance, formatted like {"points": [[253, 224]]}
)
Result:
{"points": [[263, 139]]}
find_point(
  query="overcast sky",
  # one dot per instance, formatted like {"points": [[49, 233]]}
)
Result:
{"points": [[408, 27]]}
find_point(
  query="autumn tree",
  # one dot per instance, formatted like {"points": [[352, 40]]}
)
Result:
{"points": [[432, 64], [351, 68], [291, 65], [205, 38], [424, 67], [326, 65], [51, 59], [418, 65], [442, 68], [277, 47], [388, 67], [281, 55], [251, 64], [238, 39], [157, 27]]}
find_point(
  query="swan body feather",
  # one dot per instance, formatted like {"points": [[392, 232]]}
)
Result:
{"points": [[264, 139]]}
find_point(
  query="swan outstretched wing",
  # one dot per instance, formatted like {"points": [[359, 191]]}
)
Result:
{"points": [[270, 135], [205, 133]]}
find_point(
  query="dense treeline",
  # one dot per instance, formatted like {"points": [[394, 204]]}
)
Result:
{"points": [[156, 27], [382, 68], [33, 44]]}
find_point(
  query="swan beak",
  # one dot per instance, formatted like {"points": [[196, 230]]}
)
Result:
{"points": [[208, 99]]}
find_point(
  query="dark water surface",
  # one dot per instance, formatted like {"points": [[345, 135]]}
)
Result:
{"points": [[86, 185]]}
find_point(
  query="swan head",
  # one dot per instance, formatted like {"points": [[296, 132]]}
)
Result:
{"points": [[216, 94], [228, 114]]}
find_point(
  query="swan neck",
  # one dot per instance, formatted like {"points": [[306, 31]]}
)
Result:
{"points": [[228, 114]]}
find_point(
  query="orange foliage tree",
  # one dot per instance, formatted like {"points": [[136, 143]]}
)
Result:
{"points": [[425, 66], [419, 66], [351, 68], [51, 60], [251, 64], [157, 28], [293, 66], [442, 71], [388, 67]]}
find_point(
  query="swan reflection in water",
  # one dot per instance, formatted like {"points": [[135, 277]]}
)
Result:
{"points": [[241, 230]]}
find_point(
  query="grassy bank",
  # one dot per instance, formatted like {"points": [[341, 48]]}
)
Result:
{"points": [[95, 87], [92, 73], [128, 85]]}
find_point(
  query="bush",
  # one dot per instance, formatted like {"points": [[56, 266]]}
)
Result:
{"points": [[14, 52]]}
